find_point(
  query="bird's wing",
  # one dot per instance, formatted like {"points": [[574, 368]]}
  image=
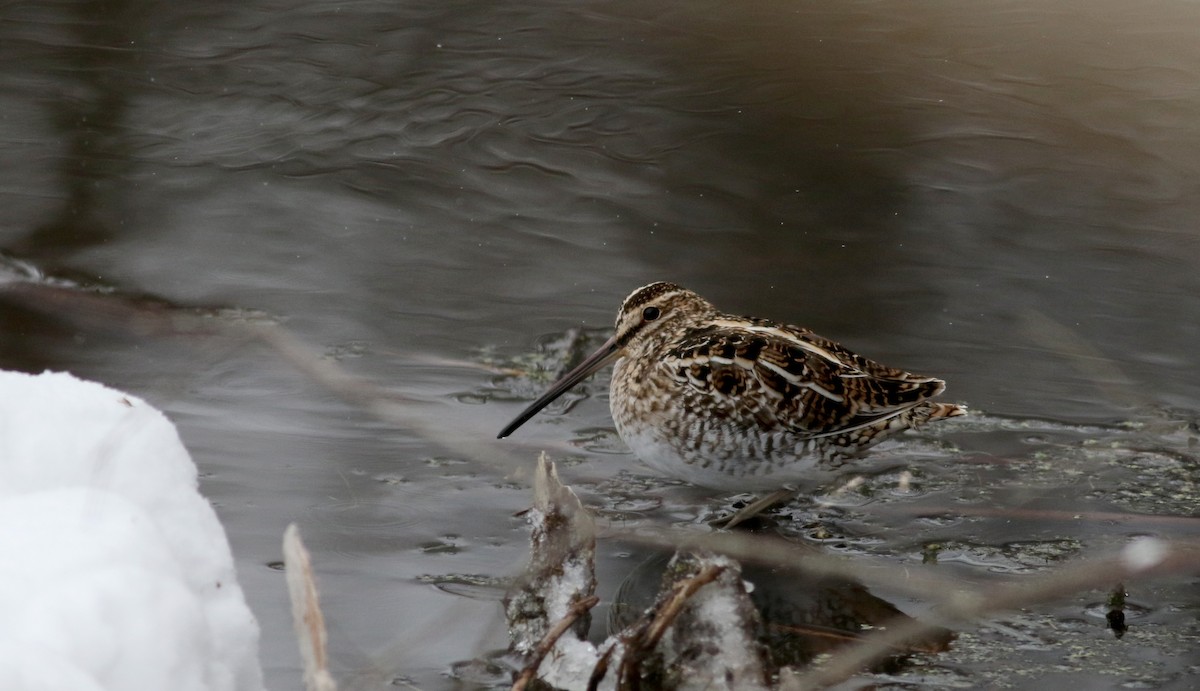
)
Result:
{"points": [[788, 378]]}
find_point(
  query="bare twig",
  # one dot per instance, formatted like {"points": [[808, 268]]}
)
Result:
{"points": [[601, 668], [955, 600], [682, 591], [1176, 524], [756, 507], [306, 612], [1146, 557], [544, 646], [420, 416], [654, 630], [916, 580], [1104, 372]]}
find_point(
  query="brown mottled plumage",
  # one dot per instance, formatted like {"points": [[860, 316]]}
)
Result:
{"points": [[740, 403]]}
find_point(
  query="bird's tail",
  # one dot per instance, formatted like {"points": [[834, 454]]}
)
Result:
{"points": [[929, 411]]}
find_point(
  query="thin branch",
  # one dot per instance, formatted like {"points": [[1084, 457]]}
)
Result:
{"points": [[653, 632], [601, 668], [756, 507], [1178, 524], [679, 598], [917, 580], [306, 612], [545, 645], [1144, 558]]}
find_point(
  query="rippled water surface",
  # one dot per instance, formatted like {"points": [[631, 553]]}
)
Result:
{"points": [[437, 197]]}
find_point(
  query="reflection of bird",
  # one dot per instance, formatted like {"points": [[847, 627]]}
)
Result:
{"points": [[740, 403]]}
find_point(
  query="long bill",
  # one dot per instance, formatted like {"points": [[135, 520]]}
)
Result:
{"points": [[604, 355]]}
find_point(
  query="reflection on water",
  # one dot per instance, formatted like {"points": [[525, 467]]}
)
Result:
{"points": [[802, 617], [1005, 195]]}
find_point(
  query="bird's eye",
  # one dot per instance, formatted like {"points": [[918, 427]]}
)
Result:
{"points": [[651, 313]]}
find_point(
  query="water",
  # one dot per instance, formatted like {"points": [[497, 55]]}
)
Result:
{"points": [[1001, 195]]}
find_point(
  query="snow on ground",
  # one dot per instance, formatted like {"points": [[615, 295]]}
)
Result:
{"points": [[114, 572]]}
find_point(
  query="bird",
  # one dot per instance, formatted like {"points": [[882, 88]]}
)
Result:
{"points": [[741, 403]]}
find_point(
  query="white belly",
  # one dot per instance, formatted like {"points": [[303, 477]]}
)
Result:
{"points": [[715, 460]]}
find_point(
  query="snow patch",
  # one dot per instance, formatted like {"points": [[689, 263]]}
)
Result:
{"points": [[115, 573]]}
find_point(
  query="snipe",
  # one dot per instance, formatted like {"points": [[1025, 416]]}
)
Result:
{"points": [[740, 403]]}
